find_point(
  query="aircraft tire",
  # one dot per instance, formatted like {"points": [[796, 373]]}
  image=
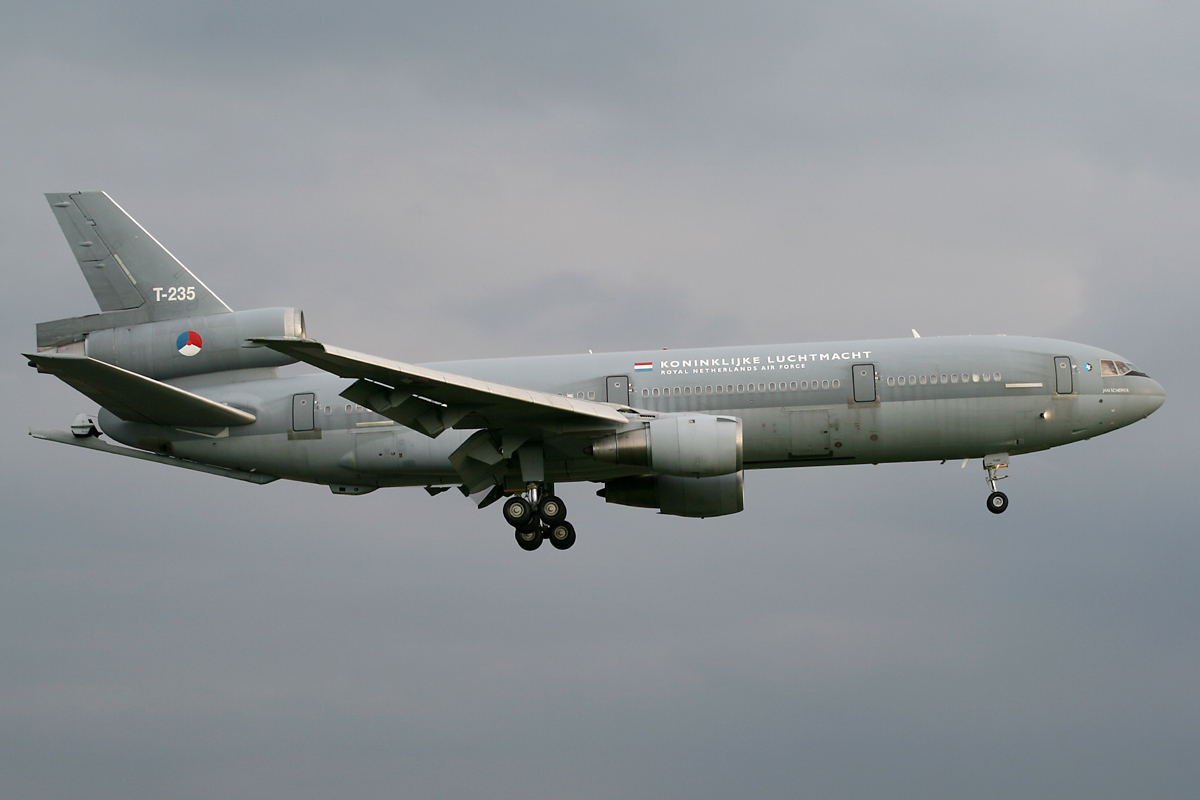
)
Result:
{"points": [[997, 502], [561, 535], [552, 510], [518, 512], [530, 539]]}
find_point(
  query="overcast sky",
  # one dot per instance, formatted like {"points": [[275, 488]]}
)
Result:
{"points": [[434, 181]]}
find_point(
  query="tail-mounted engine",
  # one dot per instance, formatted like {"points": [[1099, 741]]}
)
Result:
{"points": [[174, 348], [692, 445]]}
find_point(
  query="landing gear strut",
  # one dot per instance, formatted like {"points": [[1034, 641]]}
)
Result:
{"points": [[537, 514], [997, 501]]}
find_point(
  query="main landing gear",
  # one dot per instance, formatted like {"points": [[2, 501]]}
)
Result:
{"points": [[997, 501], [538, 515]]}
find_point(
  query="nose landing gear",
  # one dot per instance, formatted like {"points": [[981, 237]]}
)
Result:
{"points": [[537, 514], [997, 501]]}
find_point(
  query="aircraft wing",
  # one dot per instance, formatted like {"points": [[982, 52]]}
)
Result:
{"points": [[136, 398], [431, 401]]}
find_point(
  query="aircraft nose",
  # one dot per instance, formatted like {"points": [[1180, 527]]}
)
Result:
{"points": [[1147, 397], [1153, 398]]}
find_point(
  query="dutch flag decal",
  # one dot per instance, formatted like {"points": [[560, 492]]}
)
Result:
{"points": [[189, 343], [643, 366]]}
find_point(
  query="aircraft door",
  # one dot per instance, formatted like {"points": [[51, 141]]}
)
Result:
{"points": [[1062, 375], [618, 389], [304, 412], [863, 377], [810, 433]]}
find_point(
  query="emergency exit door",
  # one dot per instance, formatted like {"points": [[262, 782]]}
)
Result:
{"points": [[863, 378], [303, 412], [618, 389], [1063, 383]]}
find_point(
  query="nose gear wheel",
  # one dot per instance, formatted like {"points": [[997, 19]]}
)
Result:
{"points": [[997, 501]]}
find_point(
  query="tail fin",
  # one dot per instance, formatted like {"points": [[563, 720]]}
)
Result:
{"points": [[126, 267]]}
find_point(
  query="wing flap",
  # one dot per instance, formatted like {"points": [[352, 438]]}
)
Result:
{"points": [[136, 398], [430, 401]]}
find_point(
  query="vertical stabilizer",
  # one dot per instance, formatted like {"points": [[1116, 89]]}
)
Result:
{"points": [[125, 267]]}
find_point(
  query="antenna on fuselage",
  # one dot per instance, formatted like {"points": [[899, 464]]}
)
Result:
{"points": [[915, 334]]}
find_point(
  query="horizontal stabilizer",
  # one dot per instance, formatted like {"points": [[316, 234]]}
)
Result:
{"points": [[136, 398], [125, 267], [92, 443], [430, 401]]}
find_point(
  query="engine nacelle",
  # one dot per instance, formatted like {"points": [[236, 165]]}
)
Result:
{"points": [[195, 345], [681, 497], [692, 445]]}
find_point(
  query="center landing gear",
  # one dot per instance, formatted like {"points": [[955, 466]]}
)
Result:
{"points": [[537, 514], [997, 501]]}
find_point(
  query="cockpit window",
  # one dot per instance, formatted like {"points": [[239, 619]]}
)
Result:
{"points": [[1115, 369]]}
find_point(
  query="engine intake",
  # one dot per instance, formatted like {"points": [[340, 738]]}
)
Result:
{"points": [[691, 445], [680, 497]]}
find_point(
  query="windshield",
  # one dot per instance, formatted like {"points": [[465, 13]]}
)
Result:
{"points": [[1110, 368]]}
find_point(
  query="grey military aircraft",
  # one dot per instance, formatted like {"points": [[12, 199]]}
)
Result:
{"points": [[182, 379]]}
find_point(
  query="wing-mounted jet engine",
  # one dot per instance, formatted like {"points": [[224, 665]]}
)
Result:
{"points": [[697, 459], [691, 445], [714, 496]]}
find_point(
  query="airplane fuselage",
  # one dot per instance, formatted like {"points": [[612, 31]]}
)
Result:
{"points": [[800, 405]]}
